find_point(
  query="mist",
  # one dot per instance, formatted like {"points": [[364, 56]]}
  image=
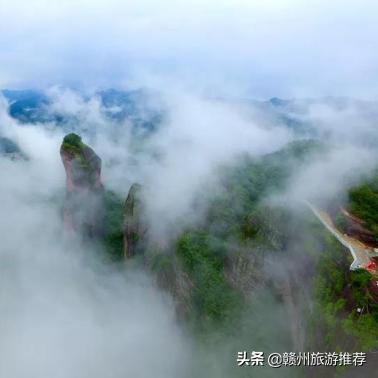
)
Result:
{"points": [[64, 313], [202, 74], [260, 49], [68, 314]]}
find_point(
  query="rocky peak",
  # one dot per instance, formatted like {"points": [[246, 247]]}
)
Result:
{"points": [[84, 190], [134, 222], [82, 165]]}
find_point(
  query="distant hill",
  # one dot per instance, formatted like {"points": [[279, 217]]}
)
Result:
{"points": [[31, 106], [10, 149], [27, 106]]}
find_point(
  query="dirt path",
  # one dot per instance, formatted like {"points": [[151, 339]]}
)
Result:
{"points": [[359, 251]]}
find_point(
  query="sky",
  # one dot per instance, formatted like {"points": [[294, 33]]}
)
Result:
{"points": [[260, 49]]}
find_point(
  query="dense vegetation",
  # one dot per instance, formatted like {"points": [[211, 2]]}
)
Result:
{"points": [[72, 142], [215, 303], [113, 222], [238, 226], [346, 307], [364, 204], [246, 184], [241, 227], [346, 314]]}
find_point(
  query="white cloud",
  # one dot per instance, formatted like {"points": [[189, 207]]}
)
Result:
{"points": [[264, 47], [63, 313]]}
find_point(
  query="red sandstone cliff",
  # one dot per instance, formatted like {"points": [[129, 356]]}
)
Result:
{"points": [[84, 191]]}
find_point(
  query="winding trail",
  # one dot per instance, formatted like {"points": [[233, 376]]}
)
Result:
{"points": [[359, 251]]}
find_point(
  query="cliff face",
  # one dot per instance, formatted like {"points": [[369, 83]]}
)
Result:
{"points": [[83, 209], [134, 225], [357, 229]]}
